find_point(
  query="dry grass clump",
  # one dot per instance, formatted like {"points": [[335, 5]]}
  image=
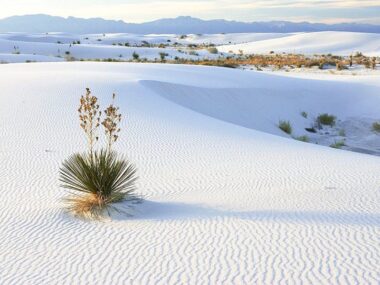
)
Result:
{"points": [[303, 138], [376, 127], [97, 179], [338, 144], [326, 119], [285, 126]]}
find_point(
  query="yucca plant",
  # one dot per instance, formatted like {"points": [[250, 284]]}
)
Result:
{"points": [[97, 179]]}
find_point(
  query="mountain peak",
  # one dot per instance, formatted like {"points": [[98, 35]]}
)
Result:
{"points": [[40, 23]]}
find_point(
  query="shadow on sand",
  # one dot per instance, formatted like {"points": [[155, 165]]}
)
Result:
{"points": [[165, 211]]}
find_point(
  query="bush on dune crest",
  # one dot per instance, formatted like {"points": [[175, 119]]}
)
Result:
{"points": [[98, 179]]}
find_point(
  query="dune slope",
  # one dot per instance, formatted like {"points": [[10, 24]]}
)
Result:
{"points": [[339, 43], [225, 203]]}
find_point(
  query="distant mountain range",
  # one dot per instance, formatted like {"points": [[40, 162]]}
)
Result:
{"points": [[181, 25]]}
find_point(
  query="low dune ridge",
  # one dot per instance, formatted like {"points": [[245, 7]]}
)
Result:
{"points": [[339, 43]]}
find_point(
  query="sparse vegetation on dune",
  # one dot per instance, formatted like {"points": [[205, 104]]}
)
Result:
{"points": [[342, 133], [338, 144], [135, 56], [303, 138], [277, 61], [376, 127], [285, 126], [326, 119], [163, 56], [213, 50], [100, 178]]}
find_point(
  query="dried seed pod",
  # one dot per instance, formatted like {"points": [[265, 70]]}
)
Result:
{"points": [[111, 121], [89, 116]]}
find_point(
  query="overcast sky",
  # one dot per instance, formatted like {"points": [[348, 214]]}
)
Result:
{"points": [[327, 11]]}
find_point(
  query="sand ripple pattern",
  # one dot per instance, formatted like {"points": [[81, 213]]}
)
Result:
{"points": [[224, 204]]}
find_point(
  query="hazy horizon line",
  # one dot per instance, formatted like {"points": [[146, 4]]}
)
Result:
{"points": [[188, 16]]}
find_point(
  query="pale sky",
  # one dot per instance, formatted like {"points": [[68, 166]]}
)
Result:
{"points": [[327, 11]]}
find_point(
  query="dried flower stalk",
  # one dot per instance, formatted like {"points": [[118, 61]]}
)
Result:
{"points": [[89, 116], [110, 123]]}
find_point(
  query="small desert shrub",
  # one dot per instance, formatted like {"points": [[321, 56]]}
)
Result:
{"points": [[101, 179], [213, 50], [193, 53], [135, 56], [98, 178], [304, 114], [303, 138], [326, 119], [285, 126], [163, 55], [342, 133], [376, 127], [367, 64], [338, 144], [340, 66]]}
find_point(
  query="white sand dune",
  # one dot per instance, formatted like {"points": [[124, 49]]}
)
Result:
{"points": [[85, 51], [136, 39], [225, 203], [54, 46], [236, 38], [339, 43]]}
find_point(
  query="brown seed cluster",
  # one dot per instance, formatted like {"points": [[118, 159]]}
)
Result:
{"points": [[89, 116], [110, 123], [90, 120]]}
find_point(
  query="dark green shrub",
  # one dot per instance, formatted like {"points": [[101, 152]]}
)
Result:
{"points": [[376, 127], [285, 127], [135, 56], [326, 119]]}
